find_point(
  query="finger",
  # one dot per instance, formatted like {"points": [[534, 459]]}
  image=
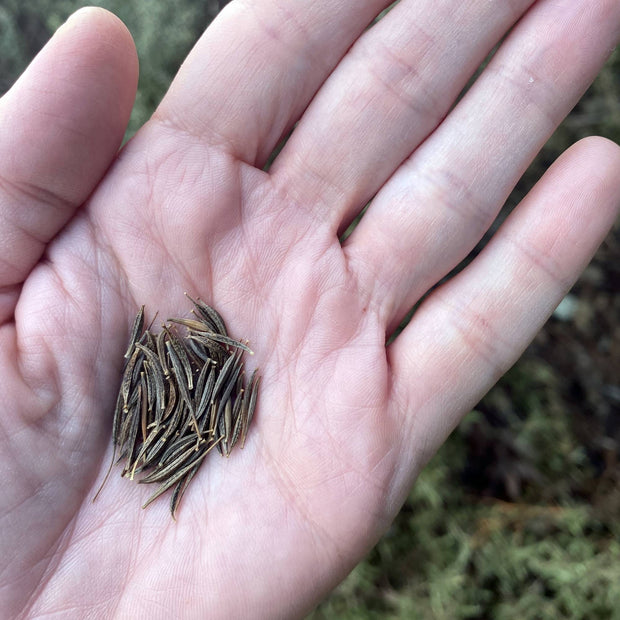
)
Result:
{"points": [[386, 96], [469, 331], [60, 127], [435, 209], [256, 67]]}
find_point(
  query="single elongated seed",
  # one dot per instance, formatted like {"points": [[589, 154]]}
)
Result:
{"points": [[228, 425], [118, 417], [176, 352], [228, 387], [156, 374], [237, 418], [136, 449], [184, 389], [180, 489], [229, 341], [132, 439], [131, 411], [197, 326], [212, 416], [200, 385], [179, 372], [216, 350], [128, 375], [223, 376], [248, 405], [150, 391], [207, 338], [209, 314], [255, 382], [144, 408], [160, 345], [220, 433], [137, 369], [172, 399], [215, 316], [205, 397], [136, 332], [200, 312]]}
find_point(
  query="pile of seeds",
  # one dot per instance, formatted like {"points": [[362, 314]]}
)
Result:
{"points": [[183, 392]]}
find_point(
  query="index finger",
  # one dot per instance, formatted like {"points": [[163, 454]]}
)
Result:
{"points": [[255, 69]]}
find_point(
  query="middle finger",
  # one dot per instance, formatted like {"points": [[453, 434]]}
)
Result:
{"points": [[390, 91]]}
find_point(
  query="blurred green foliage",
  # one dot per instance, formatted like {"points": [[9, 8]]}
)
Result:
{"points": [[506, 536], [164, 33], [517, 515]]}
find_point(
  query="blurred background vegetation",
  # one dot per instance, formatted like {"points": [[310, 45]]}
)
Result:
{"points": [[517, 515]]}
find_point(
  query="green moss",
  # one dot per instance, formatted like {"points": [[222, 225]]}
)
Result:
{"points": [[164, 33]]}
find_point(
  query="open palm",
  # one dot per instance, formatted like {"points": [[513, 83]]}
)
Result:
{"points": [[343, 423]]}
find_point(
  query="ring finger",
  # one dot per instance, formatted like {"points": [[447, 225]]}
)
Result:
{"points": [[437, 206]]}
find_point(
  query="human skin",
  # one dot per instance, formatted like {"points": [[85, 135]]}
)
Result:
{"points": [[344, 423]]}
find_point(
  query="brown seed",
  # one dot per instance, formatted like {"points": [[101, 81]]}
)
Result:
{"points": [[136, 332], [197, 326], [230, 384], [132, 437], [209, 314], [183, 388], [156, 374], [144, 408], [215, 350], [160, 345], [223, 376], [212, 338], [180, 489], [228, 425], [212, 417], [128, 375], [205, 398], [237, 418], [200, 385], [130, 411], [178, 356], [253, 395], [248, 406]]}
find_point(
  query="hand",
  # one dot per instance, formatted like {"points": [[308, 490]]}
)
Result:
{"points": [[344, 424]]}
